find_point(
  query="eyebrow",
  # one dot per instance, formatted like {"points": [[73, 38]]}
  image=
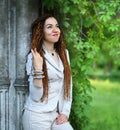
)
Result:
{"points": [[51, 24]]}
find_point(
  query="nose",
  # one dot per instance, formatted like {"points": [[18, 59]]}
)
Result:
{"points": [[56, 29]]}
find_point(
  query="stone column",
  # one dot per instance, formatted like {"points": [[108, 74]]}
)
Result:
{"points": [[16, 17]]}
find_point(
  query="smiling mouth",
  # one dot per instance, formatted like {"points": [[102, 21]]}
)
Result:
{"points": [[56, 35]]}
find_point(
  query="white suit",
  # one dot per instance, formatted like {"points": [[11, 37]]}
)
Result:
{"points": [[55, 101]]}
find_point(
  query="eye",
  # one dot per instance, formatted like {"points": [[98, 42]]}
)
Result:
{"points": [[49, 26], [57, 26]]}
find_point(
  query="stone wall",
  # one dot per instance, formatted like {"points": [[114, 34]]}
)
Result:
{"points": [[16, 17]]}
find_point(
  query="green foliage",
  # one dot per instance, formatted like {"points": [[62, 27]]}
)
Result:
{"points": [[105, 31], [92, 34]]}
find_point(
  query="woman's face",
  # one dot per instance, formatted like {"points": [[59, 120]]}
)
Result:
{"points": [[51, 30]]}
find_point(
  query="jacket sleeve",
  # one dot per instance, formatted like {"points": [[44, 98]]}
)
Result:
{"points": [[35, 92], [67, 103]]}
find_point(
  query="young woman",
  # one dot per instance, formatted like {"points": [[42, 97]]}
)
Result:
{"points": [[50, 84]]}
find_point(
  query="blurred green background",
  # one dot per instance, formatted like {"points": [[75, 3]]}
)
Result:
{"points": [[104, 113]]}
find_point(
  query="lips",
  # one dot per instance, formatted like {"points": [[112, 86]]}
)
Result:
{"points": [[55, 35]]}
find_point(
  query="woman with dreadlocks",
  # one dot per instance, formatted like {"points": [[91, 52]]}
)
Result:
{"points": [[50, 84]]}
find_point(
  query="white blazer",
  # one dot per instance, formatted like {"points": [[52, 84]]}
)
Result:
{"points": [[55, 90]]}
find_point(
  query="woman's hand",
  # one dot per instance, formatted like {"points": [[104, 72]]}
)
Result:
{"points": [[61, 118], [37, 60]]}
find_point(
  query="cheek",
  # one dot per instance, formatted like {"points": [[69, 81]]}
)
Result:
{"points": [[59, 34], [59, 31], [46, 34]]}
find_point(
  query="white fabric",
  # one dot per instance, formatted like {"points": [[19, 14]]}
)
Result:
{"points": [[55, 93], [56, 90], [43, 121]]}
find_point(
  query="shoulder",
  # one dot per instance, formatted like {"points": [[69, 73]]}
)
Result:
{"points": [[29, 63], [30, 55], [29, 59], [67, 54]]}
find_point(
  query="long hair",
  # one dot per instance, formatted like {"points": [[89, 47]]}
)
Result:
{"points": [[37, 41]]}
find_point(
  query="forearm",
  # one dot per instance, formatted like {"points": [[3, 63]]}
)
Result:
{"points": [[35, 84], [35, 91], [38, 82], [37, 77]]}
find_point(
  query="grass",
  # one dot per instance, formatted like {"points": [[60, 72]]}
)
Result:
{"points": [[105, 110]]}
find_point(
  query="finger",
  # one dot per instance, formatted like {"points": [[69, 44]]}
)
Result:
{"points": [[35, 50], [62, 117], [60, 121], [32, 51]]}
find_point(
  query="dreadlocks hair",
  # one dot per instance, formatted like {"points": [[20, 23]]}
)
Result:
{"points": [[37, 41]]}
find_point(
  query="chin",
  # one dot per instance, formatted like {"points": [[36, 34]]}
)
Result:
{"points": [[55, 41]]}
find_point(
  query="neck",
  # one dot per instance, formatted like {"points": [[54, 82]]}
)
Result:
{"points": [[49, 47]]}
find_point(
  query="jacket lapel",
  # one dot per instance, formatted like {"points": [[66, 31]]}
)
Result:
{"points": [[52, 62]]}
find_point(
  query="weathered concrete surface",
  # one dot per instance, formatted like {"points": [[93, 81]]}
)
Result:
{"points": [[16, 17]]}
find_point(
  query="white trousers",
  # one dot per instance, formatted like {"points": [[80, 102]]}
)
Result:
{"points": [[42, 121]]}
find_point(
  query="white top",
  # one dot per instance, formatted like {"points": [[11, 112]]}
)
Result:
{"points": [[55, 88]]}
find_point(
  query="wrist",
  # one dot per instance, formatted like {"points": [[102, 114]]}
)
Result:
{"points": [[37, 74], [38, 68]]}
